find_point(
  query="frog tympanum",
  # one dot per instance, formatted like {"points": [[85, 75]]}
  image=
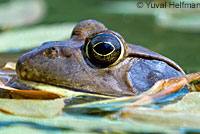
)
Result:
{"points": [[96, 60]]}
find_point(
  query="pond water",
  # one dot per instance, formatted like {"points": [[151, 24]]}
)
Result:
{"points": [[140, 28]]}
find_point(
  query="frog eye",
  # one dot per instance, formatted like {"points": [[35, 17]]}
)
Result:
{"points": [[104, 50]]}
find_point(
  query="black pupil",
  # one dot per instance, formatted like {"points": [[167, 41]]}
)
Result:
{"points": [[103, 48]]}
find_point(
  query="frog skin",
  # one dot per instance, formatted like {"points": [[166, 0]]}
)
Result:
{"points": [[96, 60]]}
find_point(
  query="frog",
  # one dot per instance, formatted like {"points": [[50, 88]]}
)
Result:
{"points": [[98, 60]]}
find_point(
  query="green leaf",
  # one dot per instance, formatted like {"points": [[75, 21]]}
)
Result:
{"points": [[75, 124], [32, 108], [16, 13], [184, 114], [189, 104], [31, 37]]}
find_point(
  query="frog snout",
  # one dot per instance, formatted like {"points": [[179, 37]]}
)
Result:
{"points": [[48, 64], [22, 68]]}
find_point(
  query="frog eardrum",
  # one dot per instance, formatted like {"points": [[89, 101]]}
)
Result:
{"points": [[104, 49]]}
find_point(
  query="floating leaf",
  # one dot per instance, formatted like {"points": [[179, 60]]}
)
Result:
{"points": [[31, 37], [8, 92], [21, 12], [185, 114], [73, 124], [189, 104], [10, 65], [32, 108], [170, 120], [179, 19]]}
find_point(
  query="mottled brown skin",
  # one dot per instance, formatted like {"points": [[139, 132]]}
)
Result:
{"points": [[63, 63]]}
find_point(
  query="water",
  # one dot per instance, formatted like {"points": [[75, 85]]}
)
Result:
{"points": [[182, 47]]}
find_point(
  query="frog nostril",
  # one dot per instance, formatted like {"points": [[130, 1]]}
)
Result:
{"points": [[53, 49], [51, 52], [54, 52]]}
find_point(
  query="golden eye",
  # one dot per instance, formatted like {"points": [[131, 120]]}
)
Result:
{"points": [[104, 50]]}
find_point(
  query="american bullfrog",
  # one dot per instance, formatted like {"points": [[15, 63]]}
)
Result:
{"points": [[96, 60]]}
